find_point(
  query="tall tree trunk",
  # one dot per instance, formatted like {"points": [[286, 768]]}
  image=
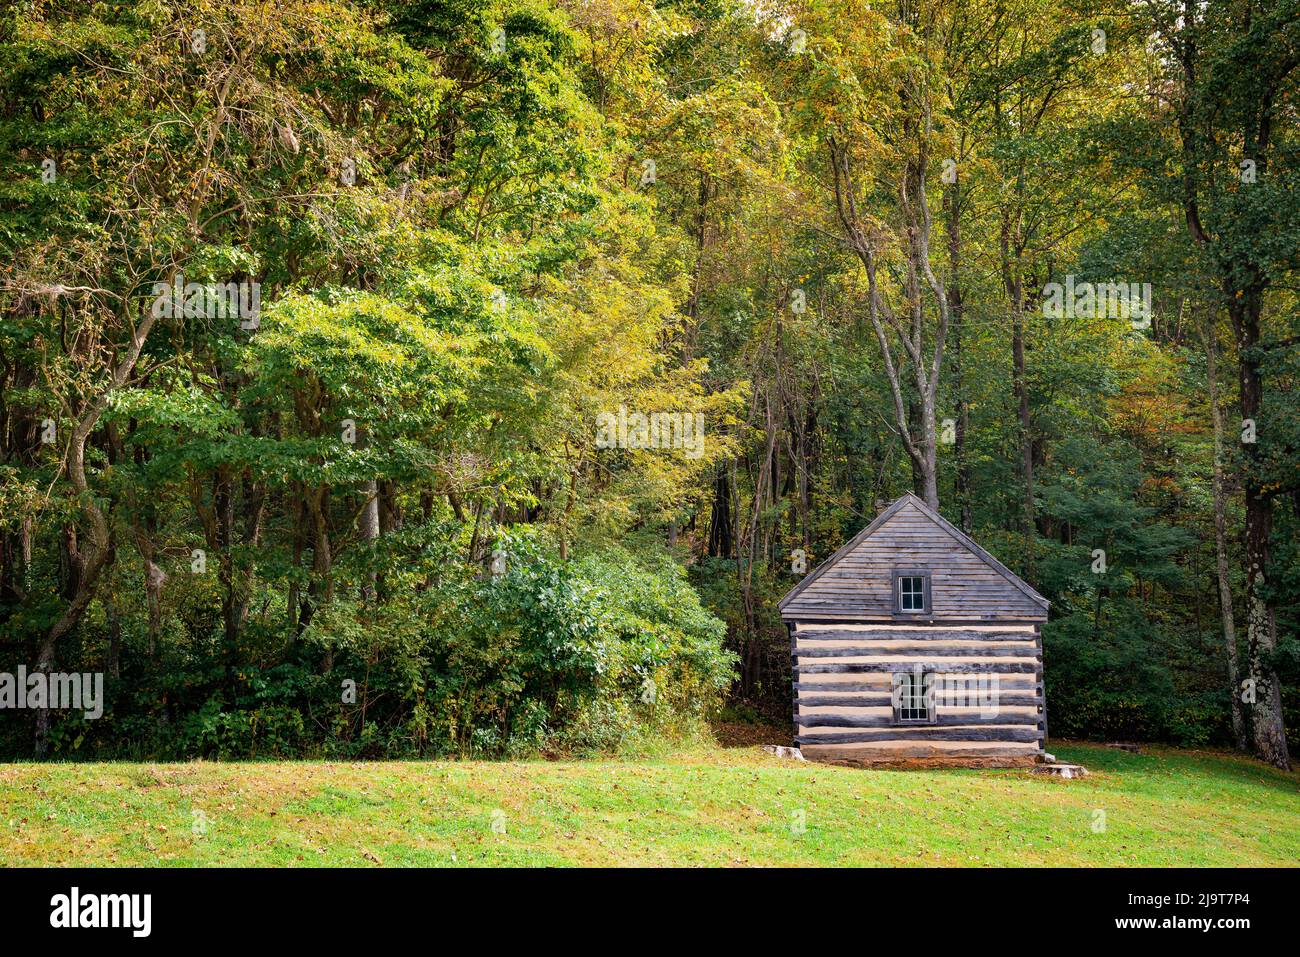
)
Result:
{"points": [[721, 534], [1021, 388], [701, 235], [956, 310], [1267, 727], [293, 598], [321, 590], [154, 579], [917, 431], [101, 542], [1011, 250], [369, 533], [807, 457], [1221, 546], [223, 507], [1243, 279]]}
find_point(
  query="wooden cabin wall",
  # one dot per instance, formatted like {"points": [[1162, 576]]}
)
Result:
{"points": [[843, 704]]}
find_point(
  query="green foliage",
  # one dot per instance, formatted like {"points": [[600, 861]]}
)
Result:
{"points": [[478, 227]]}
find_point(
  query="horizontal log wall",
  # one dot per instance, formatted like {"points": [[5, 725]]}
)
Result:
{"points": [[866, 700], [907, 752], [840, 631], [843, 692]]}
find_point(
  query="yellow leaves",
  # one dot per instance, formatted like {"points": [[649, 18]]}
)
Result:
{"points": [[1150, 406]]}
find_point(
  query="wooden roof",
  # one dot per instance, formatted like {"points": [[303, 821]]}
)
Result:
{"points": [[967, 582]]}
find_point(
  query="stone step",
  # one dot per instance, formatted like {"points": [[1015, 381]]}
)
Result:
{"points": [[783, 752], [1061, 770]]}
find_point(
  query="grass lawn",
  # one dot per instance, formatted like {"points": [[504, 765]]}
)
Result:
{"points": [[735, 806]]}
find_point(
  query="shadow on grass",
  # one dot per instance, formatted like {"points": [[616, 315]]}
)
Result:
{"points": [[751, 734], [1227, 767]]}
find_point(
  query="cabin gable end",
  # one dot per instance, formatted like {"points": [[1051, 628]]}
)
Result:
{"points": [[908, 540]]}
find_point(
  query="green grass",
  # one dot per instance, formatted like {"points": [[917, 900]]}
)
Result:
{"points": [[715, 807]]}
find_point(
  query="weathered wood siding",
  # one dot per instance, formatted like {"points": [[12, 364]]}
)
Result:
{"points": [[858, 584], [843, 692], [978, 637]]}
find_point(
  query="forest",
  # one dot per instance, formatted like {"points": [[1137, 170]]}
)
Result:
{"points": [[401, 378]]}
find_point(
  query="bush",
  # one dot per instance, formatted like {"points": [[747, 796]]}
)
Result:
{"points": [[599, 654], [270, 732], [571, 657]]}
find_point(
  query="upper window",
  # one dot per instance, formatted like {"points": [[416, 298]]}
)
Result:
{"points": [[911, 592]]}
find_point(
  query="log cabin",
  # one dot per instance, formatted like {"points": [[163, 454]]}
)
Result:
{"points": [[912, 645]]}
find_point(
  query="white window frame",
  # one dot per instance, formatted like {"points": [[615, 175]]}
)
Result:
{"points": [[897, 583]]}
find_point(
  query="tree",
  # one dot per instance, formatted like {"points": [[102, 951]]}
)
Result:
{"points": [[1231, 67]]}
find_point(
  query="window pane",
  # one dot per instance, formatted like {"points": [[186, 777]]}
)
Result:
{"points": [[911, 593], [912, 698]]}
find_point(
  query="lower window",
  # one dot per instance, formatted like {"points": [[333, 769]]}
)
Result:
{"points": [[911, 696]]}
